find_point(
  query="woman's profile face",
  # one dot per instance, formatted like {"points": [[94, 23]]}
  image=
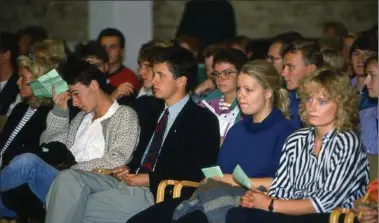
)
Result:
{"points": [[25, 77]]}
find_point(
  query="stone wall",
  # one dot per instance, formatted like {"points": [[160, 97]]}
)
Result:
{"points": [[64, 19], [266, 18], [68, 19]]}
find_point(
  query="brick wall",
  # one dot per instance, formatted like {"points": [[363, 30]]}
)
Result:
{"points": [[62, 18], [68, 19], [264, 19]]}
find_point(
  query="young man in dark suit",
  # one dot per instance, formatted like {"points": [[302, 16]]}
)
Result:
{"points": [[176, 142]]}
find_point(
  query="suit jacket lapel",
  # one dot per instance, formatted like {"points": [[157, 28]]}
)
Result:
{"points": [[177, 123]]}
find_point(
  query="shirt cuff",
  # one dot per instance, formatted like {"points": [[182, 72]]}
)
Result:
{"points": [[317, 205]]}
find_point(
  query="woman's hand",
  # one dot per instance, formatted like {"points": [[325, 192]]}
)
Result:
{"points": [[255, 199], [368, 214]]}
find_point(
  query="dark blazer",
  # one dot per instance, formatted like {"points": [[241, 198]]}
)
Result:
{"points": [[27, 140], [8, 94], [192, 143]]}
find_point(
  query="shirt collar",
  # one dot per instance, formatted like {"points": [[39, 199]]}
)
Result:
{"points": [[326, 137], [111, 110], [175, 109]]}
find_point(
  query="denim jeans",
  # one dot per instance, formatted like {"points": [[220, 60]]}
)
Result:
{"points": [[28, 168]]}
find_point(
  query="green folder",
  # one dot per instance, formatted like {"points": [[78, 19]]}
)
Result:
{"points": [[240, 176], [211, 172], [42, 86]]}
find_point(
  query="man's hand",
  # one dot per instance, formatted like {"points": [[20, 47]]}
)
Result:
{"points": [[121, 171], [204, 86], [137, 179], [124, 89], [60, 100]]}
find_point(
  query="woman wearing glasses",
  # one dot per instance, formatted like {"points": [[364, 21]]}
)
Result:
{"points": [[223, 101]]}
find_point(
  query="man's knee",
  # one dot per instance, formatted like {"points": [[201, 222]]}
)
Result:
{"points": [[26, 159], [67, 177]]}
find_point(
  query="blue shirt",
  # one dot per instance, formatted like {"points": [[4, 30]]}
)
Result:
{"points": [[369, 129], [366, 101], [294, 105], [256, 147]]}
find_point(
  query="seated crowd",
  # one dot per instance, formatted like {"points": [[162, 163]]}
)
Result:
{"points": [[302, 123]]}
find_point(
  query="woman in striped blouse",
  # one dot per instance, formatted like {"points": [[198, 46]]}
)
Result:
{"points": [[322, 167]]}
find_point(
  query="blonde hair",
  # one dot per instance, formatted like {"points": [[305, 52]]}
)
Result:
{"points": [[336, 87], [334, 59], [267, 76], [37, 68], [52, 50]]}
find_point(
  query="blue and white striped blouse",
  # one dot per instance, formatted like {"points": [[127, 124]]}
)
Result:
{"points": [[335, 178]]}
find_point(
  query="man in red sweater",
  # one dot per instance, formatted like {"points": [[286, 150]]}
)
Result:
{"points": [[124, 80]]}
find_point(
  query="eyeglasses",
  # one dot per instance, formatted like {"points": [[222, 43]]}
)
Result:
{"points": [[272, 58], [225, 74]]}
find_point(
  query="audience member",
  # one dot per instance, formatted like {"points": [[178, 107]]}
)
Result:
{"points": [[278, 44], [242, 43], [21, 134], [185, 140], [265, 103], [301, 59], [28, 36], [103, 135], [322, 167], [207, 84], [8, 75], [122, 78], [369, 116], [223, 101]]}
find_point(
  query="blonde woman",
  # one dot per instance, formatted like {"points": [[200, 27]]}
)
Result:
{"points": [[323, 166], [254, 143], [25, 125]]}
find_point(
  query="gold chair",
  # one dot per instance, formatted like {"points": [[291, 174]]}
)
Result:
{"points": [[349, 214], [162, 188], [179, 186], [7, 221]]}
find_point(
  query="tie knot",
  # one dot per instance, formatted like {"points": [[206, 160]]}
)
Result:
{"points": [[166, 112]]}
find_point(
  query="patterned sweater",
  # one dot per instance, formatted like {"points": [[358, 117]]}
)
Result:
{"points": [[121, 135]]}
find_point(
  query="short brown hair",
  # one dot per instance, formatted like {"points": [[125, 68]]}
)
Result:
{"points": [[213, 49], [146, 51]]}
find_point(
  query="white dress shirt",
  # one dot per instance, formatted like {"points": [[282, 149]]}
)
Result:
{"points": [[89, 140]]}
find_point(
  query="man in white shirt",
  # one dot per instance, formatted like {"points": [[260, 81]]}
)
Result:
{"points": [[103, 135]]}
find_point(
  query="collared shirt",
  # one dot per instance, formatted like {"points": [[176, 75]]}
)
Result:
{"points": [[369, 129], [89, 140], [145, 91], [335, 178], [173, 111]]}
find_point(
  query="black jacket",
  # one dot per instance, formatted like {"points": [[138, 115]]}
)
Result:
{"points": [[192, 143], [8, 94]]}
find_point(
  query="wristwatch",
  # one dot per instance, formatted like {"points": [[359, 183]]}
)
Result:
{"points": [[271, 206]]}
